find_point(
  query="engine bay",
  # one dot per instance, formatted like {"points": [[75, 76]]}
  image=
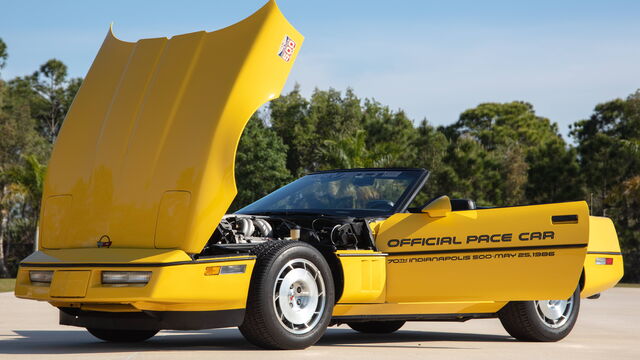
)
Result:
{"points": [[239, 233]]}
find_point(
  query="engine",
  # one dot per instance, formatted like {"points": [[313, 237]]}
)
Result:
{"points": [[239, 233]]}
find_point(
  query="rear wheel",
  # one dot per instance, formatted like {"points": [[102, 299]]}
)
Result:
{"points": [[376, 327], [291, 296], [541, 320], [113, 335]]}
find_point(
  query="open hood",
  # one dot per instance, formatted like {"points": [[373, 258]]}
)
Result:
{"points": [[145, 158]]}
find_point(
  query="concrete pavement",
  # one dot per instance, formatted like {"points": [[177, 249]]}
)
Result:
{"points": [[608, 328]]}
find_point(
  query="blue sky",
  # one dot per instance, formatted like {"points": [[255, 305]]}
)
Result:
{"points": [[433, 59]]}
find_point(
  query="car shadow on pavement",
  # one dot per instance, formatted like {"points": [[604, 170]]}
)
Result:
{"points": [[350, 338], [78, 342]]}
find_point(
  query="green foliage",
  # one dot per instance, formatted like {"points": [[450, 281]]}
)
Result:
{"points": [[496, 124], [609, 147], [260, 163], [23, 151], [526, 156], [289, 116], [609, 155], [390, 133], [554, 174], [53, 96], [3, 54]]}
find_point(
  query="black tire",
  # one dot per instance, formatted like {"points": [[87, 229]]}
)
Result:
{"points": [[376, 327], [122, 336], [262, 324], [524, 321]]}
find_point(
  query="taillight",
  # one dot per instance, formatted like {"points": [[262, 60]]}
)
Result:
{"points": [[604, 261]]}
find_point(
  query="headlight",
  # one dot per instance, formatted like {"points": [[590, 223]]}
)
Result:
{"points": [[41, 277], [126, 278]]}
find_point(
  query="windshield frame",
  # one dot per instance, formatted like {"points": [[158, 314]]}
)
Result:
{"points": [[401, 205]]}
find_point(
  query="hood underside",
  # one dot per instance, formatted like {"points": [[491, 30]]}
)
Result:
{"points": [[145, 158]]}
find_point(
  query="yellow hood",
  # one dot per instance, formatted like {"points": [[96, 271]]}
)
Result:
{"points": [[145, 158]]}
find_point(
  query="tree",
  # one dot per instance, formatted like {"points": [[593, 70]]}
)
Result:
{"points": [[55, 94], [624, 200], [22, 150], [554, 174], [609, 155], [19, 206], [495, 124], [536, 164], [430, 146], [609, 146], [347, 152], [289, 119], [391, 132], [471, 173], [334, 114], [3, 54], [260, 163], [49, 82]]}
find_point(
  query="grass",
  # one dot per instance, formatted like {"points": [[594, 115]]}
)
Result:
{"points": [[628, 285], [7, 285]]}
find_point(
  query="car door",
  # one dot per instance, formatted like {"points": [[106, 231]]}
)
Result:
{"points": [[497, 254]]}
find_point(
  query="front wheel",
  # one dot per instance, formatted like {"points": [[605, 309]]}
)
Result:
{"points": [[541, 320], [291, 296], [113, 335]]}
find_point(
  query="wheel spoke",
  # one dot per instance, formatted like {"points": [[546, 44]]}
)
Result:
{"points": [[301, 280]]}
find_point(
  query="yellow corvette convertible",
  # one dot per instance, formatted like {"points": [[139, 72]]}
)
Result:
{"points": [[134, 237]]}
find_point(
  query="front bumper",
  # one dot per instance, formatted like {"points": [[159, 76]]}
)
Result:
{"points": [[177, 283]]}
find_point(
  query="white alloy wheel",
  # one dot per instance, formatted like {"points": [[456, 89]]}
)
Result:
{"points": [[554, 313], [299, 296]]}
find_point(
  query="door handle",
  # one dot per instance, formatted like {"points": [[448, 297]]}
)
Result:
{"points": [[564, 219]]}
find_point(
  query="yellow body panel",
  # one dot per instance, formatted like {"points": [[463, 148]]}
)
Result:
{"points": [[70, 284], [146, 153], [603, 243], [364, 276]]}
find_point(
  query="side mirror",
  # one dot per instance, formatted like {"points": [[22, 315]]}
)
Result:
{"points": [[439, 207]]}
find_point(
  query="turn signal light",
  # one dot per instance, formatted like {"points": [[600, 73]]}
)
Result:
{"points": [[223, 270]]}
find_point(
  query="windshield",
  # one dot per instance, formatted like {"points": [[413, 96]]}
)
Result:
{"points": [[357, 193]]}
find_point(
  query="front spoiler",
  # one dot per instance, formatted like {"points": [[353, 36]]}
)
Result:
{"points": [[152, 320]]}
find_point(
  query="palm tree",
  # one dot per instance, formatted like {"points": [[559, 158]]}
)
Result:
{"points": [[352, 152]]}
